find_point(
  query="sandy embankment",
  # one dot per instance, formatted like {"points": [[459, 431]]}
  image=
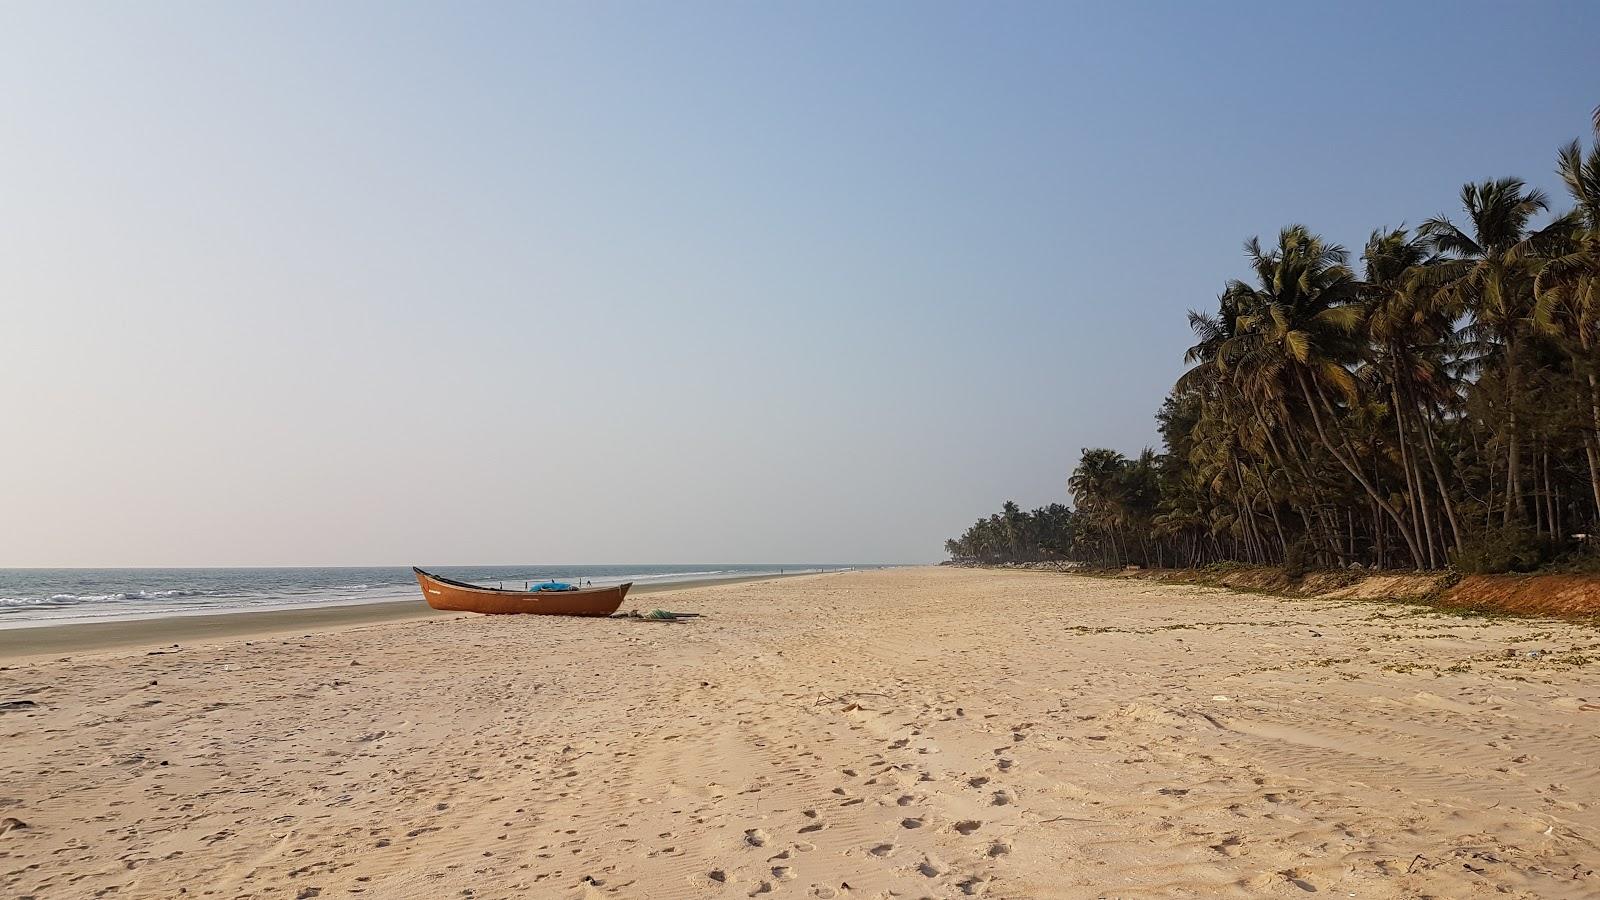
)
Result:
{"points": [[923, 732]]}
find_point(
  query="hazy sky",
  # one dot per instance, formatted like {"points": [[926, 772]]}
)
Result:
{"points": [[565, 283]]}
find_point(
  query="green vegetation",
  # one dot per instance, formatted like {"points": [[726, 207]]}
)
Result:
{"points": [[1440, 407]]}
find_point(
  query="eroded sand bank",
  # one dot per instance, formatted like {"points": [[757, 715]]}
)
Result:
{"points": [[907, 733]]}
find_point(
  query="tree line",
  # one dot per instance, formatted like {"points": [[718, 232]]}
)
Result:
{"points": [[1434, 402]]}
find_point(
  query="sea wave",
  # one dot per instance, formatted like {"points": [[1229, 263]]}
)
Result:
{"points": [[39, 597], [67, 599]]}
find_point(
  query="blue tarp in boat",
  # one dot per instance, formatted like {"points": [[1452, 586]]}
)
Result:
{"points": [[553, 586]]}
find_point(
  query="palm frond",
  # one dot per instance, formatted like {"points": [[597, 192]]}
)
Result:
{"points": [[1447, 238]]}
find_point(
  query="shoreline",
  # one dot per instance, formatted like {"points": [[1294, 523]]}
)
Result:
{"points": [[909, 732], [67, 638]]}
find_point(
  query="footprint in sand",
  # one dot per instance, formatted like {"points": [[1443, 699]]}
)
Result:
{"points": [[910, 823], [881, 850], [1001, 797], [755, 837], [1230, 846], [999, 848], [1299, 879], [967, 826], [977, 781]]}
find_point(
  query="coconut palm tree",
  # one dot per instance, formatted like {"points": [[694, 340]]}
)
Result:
{"points": [[1301, 325], [1407, 332], [1434, 408], [1488, 275], [1096, 490], [1568, 285]]}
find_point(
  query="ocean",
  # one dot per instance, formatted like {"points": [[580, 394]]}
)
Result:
{"points": [[31, 597]]}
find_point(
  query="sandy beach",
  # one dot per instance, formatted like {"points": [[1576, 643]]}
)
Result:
{"points": [[903, 733], [39, 640]]}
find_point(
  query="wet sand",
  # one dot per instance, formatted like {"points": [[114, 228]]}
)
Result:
{"points": [[56, 640], [911, 733]]}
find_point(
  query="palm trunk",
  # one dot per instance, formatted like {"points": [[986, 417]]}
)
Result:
{"points": [[1272, 507], [1330, 529], [1536, 492], [1377, 538], [1246, 509], [1427, 517], [1589, 449], [1438, 478], [1348, 463], [1592, 446], [1419, 504], [1550, 498], [1514, 451]]}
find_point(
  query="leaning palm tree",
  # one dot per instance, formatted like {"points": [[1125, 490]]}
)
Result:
{"points": [[1301, 334], [1408, 332], [1256, 415]]}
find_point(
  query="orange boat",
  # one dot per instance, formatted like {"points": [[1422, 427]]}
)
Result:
{"points": [[442, 593]]}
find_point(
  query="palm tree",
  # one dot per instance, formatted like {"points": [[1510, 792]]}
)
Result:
{"points": [[1407, 332], [1096, 487], [1488, 275], [1014, 530], [1455, 381], [1301, 322], [1568, 285]]}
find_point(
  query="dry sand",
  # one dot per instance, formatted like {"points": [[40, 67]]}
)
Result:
{"points": [[905, 733]]}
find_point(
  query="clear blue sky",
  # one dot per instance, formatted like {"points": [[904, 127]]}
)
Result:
{"points": [[372, 283]]}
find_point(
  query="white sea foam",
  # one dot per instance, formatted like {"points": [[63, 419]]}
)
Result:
{"points": [[66, 599], [43, 597]]}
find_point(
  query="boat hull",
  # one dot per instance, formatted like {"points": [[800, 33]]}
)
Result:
{"points": [[442, 593]]}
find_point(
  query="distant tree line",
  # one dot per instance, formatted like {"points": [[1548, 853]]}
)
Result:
{"points": [[1013, 535], [1439, 406]]}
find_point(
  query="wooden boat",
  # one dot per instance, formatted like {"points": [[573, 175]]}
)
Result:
{"points": [[442, 593]]}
